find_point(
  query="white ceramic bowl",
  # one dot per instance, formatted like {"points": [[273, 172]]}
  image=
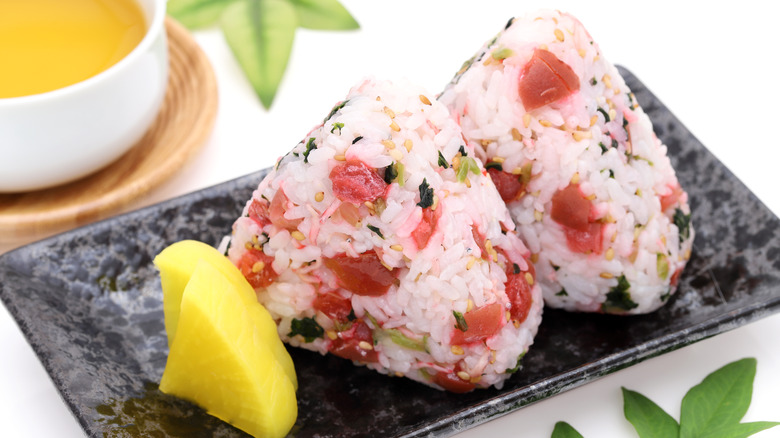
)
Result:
{"points": [[55, 137]]}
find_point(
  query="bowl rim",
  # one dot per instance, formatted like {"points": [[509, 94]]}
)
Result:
{"points": [[153, 31]]}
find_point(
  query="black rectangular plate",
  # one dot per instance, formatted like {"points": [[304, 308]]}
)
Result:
{"points": [[89, 303]]}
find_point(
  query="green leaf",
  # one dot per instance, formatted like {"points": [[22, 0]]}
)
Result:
{"points": [[720, 400], [564, 430], [649, 420], [260, 33], [197, 14], [323, 15], [740, 430]]}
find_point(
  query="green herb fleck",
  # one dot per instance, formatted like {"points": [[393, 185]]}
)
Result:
{"points": [[462, 150], [562, 293], [399, 338], [467, 164], [442, 162], [376, 230], [426, 194], [603, 113], [593, 81], [400, 179], [357, 139], [501, 54], [460, 321], [335, 109], [683, 223], [603, 148], [662, 266], [390, 173], [515, 268], [494, 165], [337, 125], [618, 297], [306, 327], [310, 146], [517, 366]]}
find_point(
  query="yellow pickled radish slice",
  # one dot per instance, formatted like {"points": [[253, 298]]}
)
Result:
{"points": [[176, 264], [220, 360]]}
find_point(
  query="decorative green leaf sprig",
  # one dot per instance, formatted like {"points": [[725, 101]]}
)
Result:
{"points": [[260, 33], [711, 409]]}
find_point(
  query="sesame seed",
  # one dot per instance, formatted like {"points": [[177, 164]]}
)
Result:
{"points": [[687, 254], [490, 250], [475, 379], [492, 356], [558, 34], [612, 114], [319, 196], [365, 345], [424, 100], [340, 157], [610, 254], [469, 305], [526, 120], [498, 159], [254, 239], [248, 245], [516, 323], [394, 126], [581, 135], [464, 375], [538, 215], [297, 235], [606, 275], [468, 182], [396, 154], [607, 81], [388, 267], [258, 266], [390, 113], [534, 258], [594, 120], [543, 46], [529, 278], [591, 197], [516, 135], [575, 179], [545, 123], [470, 263], [397, 247], [485, 142], [332, 335], [508, 315], [517, 171], [581, 52], [457, 349], [456, 161], [389, 144], [408, 145]]}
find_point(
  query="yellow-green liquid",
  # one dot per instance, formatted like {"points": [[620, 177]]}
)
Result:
{"points": [[50, 44]]}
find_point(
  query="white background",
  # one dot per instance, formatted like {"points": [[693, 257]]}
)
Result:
{"points": [[713, 66]]}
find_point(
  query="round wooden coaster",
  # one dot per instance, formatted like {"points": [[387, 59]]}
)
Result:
{"points": [[185, 120]]}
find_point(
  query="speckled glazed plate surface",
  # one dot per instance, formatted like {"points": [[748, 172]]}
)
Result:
{"points": [[90, 304]]}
